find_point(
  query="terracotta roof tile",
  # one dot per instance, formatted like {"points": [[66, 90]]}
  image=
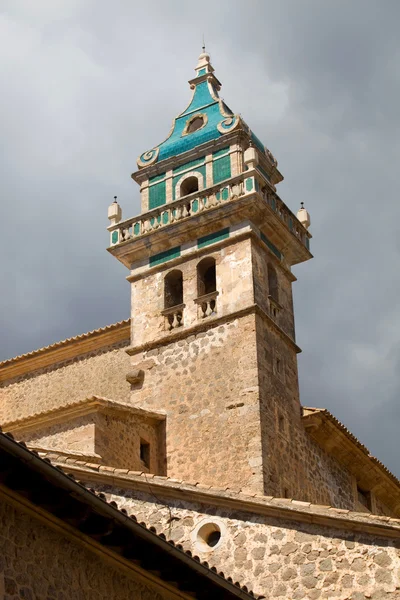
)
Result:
{"points": [[94, 400], [65, 342], [113, 504], [353, 438], [245, 495]]}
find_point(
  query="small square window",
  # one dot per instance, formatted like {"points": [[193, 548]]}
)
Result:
{"points": [[278, 366], [145, 453], [364, 498], [281, 422]]}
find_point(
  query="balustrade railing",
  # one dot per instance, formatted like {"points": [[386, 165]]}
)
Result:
{"points": [[173, 317], [176, 211], [207, 305], [285, 215], [204, 200]]}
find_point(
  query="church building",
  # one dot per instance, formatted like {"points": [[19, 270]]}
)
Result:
{"points": [[188, 414]]}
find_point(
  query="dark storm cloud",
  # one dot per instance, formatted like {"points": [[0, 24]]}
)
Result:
{"points": [[88, 85]]}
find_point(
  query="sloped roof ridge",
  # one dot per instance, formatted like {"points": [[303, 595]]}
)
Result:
{"points": [[245, 592], [65, 342], [354, 439], [106, 402], [241, 494]]}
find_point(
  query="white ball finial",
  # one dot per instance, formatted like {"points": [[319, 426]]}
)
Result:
{"points": [[204, 61], [303, 216]]}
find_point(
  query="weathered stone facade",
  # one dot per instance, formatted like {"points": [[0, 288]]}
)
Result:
{"points": [[101, 372], [106, 432], [203, 417], [285, 559], [294, 465]]}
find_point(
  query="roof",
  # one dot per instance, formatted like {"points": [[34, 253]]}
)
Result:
{"points": [[370, 472], [51, 489], [218, 120], [82, 407], [229, 499], [65, 349]]}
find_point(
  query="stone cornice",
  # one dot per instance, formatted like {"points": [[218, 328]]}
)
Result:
{"points": [[196, 252], [264, 210], [65, 350], [176, 335], [81, 408], [371, 474], [240, 501]]}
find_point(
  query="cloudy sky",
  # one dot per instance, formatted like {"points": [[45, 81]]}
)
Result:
{"points": [[87, 85]]}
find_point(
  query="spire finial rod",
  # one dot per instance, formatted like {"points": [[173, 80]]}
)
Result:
{"points": [[204, 44]]}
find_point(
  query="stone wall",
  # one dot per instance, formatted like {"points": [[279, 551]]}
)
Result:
{"points": [[100, 373], [261, 258], [233, 279], [37, 563], [118, 442], [294, 465], [113, 436], [273, 556], [231, 393], [207, 384], [78, 435]]}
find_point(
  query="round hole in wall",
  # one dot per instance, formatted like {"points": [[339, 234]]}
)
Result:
{"points": [[208, 536], [213, 538]]}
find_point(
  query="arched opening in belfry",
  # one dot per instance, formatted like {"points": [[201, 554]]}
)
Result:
{"points": [[272, 283], [189, 186], [206, 276], [173, 289]]}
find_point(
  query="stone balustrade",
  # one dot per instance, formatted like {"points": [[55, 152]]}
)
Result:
{"points": [[286, 216], [193, 204], [207, 305], [173, 317]]}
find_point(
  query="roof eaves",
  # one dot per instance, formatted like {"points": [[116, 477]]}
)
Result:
{"points": [[339, 425], [74, 409], [98, 502], [257, 503], [67, 341]]}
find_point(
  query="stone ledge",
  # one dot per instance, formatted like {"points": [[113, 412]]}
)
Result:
{"points": [[77, 409], [334, 437], [65, 349], [205, 325], [288, 509]]}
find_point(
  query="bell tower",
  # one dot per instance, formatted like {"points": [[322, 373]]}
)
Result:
{"points": [[212, 324]]}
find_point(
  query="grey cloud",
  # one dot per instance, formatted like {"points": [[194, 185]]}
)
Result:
{"points": [[88, 86]]}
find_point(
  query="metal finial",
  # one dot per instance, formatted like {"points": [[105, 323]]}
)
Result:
{"points": [[115, 198], [302, 204], [204, 44]]}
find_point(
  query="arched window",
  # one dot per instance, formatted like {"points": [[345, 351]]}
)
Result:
{"points": [[206, 276], [272, 283], [189, 186], [195, 124], [173, 289]]}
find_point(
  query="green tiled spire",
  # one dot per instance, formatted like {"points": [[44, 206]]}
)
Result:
{"points": [[206, 117]]}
